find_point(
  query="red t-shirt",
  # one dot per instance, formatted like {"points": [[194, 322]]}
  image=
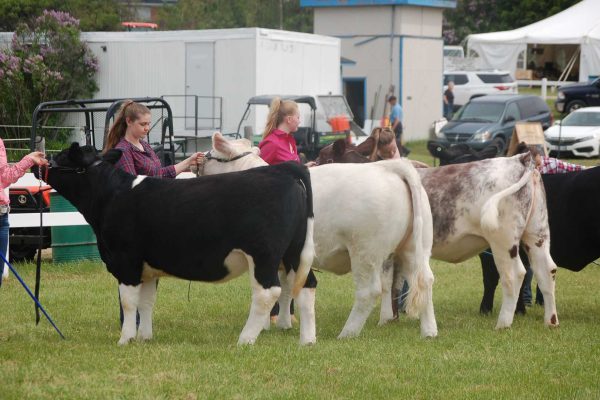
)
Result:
{"points": [[279, 147]]}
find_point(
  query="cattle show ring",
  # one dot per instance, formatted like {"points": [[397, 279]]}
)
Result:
{"points": [[299, 199], [340, 239]]}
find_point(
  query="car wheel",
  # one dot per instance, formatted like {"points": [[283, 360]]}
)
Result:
{"points": [[501, 145], [574, 105]]}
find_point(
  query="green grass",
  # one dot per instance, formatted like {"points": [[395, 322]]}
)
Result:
{"points": [[194, 354]]}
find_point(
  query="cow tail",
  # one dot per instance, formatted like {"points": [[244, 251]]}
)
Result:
{"points": [[489, 211], [308, 249], [416, 298]]}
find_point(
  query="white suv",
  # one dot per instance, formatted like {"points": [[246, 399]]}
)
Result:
{"points": [[470, 84]]}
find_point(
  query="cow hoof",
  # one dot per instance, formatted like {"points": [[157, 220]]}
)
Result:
{"points": [[429, 333], [246, 341], [553, 322], [123, 341], [143, 337], [348, 335], [387, 320], [308, 341], [282, 324], [500, 326]]}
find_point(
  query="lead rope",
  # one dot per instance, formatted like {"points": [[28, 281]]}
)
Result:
{"points": [[38, 269]]}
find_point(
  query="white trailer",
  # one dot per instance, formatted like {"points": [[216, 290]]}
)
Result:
{"points": [[230, 64]]}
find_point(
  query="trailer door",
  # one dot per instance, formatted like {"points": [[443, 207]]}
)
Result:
{"points": [[199, 81]]}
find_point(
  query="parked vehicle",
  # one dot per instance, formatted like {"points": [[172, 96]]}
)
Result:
{"points": [[471, 84], [578, 133], [491, 119], [24, 242], [577, 95], [318, 128]]}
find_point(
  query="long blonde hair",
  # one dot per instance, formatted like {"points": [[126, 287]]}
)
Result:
{"points": [[129, 109], [277, 112]]}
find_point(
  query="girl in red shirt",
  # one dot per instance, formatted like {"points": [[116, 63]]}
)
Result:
{"points": [[278, 144]]}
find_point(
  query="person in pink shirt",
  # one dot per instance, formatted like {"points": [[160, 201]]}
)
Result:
{"points": [[10, 174], [278, 144]]}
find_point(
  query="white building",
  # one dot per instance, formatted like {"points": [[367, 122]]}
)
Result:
{"points": [[230, 65], [388, 42]]}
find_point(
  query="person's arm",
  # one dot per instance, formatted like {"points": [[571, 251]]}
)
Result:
{"points": [[187, 163], [11, 173]]}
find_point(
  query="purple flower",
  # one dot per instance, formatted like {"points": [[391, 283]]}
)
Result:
{"points": [[63, 18]]}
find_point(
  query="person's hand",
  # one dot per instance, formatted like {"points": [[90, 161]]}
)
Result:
{"points": [[201, 159], [38, 158], [311, 164], [192, 160]]}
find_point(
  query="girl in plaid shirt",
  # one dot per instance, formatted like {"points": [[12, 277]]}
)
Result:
{"points": [[127, 133]]}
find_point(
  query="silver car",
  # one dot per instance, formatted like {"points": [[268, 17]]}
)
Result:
{"points": [[578, 133]]}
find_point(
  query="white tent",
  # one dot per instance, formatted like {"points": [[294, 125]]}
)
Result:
{"points": [[577, 25]]}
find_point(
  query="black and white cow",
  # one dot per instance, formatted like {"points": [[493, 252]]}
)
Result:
{"points": [[207, 229]]}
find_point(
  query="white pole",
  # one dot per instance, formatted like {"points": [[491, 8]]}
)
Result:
{"points": [[544, 88]]}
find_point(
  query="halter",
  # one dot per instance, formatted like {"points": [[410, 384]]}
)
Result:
{"points": [[209, 156], [79, 170]]}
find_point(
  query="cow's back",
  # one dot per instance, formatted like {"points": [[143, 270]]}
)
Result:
{"points": [[573, 212]]}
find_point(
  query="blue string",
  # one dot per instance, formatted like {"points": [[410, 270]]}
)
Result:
{"points": [[31, 295]]}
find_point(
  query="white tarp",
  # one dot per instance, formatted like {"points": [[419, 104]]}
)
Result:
{"points": [[579, 24]]}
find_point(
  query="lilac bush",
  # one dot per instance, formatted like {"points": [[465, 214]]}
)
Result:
{"points": [[45, 62]]}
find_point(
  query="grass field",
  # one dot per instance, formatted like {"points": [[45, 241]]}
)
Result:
{"points": [[194, 354]]}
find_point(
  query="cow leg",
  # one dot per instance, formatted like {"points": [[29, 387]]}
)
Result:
{"points": [[387, 312], [490, 281], [145, 307], [263, 300], [544, 270], [306, 306], [130, 296], [284, 319], [366, 271], [512, 271]]}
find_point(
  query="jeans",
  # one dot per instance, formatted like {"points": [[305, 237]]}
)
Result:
{"points": [[4, 228], [527, 297]]}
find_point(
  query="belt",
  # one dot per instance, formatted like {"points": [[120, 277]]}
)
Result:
{"points": [[4, 209]]}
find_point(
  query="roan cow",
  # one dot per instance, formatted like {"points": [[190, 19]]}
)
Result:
{"points": [[362, 216], [500, 202], [572, 202], [207, 229]]}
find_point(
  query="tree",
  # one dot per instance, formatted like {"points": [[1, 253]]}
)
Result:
{"points": [[94, 15], [46, 61], [216, 14]]}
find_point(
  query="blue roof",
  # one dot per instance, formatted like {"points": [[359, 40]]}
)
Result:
{"points": [[351, 3]]}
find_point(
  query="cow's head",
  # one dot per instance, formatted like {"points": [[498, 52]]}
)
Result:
{"points": [[228, 156], [77, 159], [341, 151]]}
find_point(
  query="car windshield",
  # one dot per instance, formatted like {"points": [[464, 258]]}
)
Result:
{"points": [[582, 119], [480, 112]]}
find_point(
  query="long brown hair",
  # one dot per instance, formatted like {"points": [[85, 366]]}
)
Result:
{"points": [[277, 112], [129, 109]]}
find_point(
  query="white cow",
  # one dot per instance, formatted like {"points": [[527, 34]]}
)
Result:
{"points": [[363, 214]]}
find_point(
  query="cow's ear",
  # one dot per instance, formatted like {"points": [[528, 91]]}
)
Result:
{"points": [[112, 156], [339, 147], [75, 154]]}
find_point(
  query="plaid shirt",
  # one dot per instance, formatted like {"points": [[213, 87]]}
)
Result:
{"points": [[550, 165], [137, 162]]}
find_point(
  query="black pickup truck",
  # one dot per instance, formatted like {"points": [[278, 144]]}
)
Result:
{"points": [[577, 95]]}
